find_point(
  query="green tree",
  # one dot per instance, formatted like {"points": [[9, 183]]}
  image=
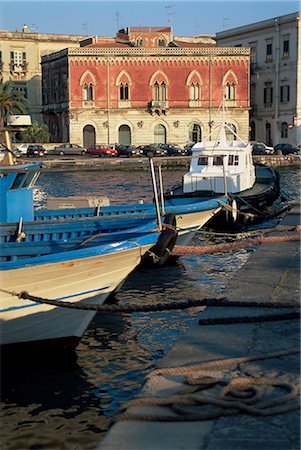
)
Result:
{"points": [[11, 102], [36, 132]]}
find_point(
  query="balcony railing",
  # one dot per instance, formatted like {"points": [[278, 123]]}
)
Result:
{"points": [[18, 68], [158, 106]]}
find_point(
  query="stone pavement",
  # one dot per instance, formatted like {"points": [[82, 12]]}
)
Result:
{"points": [[272, 274]]}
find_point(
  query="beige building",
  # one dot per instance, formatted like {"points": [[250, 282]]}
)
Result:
{"points": [[275, 80], [20, 61]]}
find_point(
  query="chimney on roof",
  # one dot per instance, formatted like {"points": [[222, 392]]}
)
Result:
{"points": [[25, 29]]}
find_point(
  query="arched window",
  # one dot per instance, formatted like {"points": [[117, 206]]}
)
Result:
{"points": [[160, 134], [195, 133], [124, 135], [156, 91], [124, 91], [159, 91], [161, 42], [230, 91], [88, 92], [230, 83], [229, 135], [284, 130], [139, 42], [194, 91], [89, 136]]}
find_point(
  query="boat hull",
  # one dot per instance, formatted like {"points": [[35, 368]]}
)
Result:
{"points": [[263, 194], [193, 222], [87, 279]]}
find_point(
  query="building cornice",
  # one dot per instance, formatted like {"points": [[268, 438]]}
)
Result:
{"points": [[149, 52], [264, 24], [41, 37]]}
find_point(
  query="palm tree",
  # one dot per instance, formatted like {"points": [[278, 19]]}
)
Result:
{"points": [[11, 101]]}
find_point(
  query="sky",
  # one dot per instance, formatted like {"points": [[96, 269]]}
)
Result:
{"points": [[105, 18]]}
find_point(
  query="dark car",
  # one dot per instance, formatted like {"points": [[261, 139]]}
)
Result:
{"points": [[173, 149], [68, 149], [287, 149], [35, 150], [153, 150], [128, 150], [101, 150]]}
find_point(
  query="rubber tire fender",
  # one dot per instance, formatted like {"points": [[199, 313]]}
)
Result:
{"points": [[166, 241], [232, 216]]}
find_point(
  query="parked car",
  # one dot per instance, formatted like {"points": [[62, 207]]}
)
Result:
{"points": [[101, 150], [35, 150], [287, 149], [188, 148], [153, 150], [68, 149], [173, 149], [259, 148], [21, 148], [128, 150]]}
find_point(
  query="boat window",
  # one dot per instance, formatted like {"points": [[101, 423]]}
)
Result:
{"points": [[28, 180], [18, 181], [233, 160], [202, 161], [217, 160]]}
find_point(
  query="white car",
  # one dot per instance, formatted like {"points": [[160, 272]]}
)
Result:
{"points": [[22, 148], [259, 148]]}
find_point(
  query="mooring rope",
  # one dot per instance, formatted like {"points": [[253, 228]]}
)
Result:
{"points": [[237, 395], [218, 363], [221, 248], [146, 307]]}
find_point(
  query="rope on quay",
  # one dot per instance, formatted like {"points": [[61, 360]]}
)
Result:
{"points": [[221, 248], [227, 395]]}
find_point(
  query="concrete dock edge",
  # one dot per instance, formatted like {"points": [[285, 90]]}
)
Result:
{"points": [[272, 277]]}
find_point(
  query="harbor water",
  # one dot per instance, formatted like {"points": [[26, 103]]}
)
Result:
{"points": [[71, 406]]}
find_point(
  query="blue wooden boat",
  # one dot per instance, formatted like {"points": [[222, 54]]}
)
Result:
{"points": [[64, 228], [86, 274], [76, 255]]}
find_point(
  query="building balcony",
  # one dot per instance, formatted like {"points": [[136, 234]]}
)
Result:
{"points": [[18, 68], [88, 104], [124, 104], [194, 103], [158, 107]]}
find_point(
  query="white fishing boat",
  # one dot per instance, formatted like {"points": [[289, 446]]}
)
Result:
{"points": [[222, 164]]}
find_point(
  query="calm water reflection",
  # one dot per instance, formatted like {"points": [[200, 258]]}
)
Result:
{"points": [[71, 407]]}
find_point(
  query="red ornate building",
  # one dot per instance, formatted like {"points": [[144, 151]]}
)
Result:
{"points": [[145, 85]]}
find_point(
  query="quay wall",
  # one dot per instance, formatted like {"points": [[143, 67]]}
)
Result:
{"points": [[172, 163]]}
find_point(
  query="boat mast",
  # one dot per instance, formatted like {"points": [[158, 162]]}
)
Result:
{"points": [[152, 170]]}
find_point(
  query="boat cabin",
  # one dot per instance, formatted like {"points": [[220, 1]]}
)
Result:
{"points": [[16, 192], [220, 166]]}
